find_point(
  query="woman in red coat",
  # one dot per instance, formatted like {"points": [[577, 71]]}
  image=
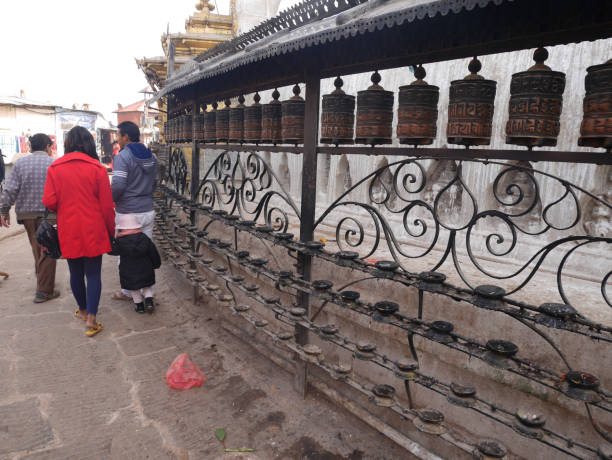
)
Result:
{"points": [[77, 187]]}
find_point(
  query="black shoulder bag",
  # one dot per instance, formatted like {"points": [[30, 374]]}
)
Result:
{"points": [[46, 236]]}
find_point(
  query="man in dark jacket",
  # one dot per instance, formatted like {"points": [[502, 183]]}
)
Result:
{"points": [[134, 181]]}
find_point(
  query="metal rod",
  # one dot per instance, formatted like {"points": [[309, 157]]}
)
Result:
{"points": [[599, 158], [602, 158], [195, 179]]}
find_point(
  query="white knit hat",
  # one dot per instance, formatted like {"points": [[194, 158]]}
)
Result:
{"points": [[128, 222]]}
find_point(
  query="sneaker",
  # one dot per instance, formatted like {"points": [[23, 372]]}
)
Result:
{"points": [[139, 307], [149, 305], [41, 297]]}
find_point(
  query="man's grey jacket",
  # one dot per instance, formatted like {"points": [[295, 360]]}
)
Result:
{"points": [[25, 185], [134, 179]]}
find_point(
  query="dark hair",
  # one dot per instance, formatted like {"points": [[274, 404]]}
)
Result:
{"points": [[129, 128], [79, 139], [39, 142]]}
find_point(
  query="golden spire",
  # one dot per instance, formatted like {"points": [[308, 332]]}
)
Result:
{"points": [[203, 4]]}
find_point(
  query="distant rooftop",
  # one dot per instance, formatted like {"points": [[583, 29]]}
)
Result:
{"points": [[22, 101]]}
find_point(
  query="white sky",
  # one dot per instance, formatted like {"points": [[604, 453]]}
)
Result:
{"points": [[82, 51]]}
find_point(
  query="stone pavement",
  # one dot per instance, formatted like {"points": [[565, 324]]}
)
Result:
{"points": [[66, 396]]}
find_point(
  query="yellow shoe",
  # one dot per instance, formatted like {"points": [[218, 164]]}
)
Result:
{"points": [[91, 331]]}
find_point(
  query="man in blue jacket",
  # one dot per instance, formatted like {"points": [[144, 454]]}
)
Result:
{"points": [[134, 181]]}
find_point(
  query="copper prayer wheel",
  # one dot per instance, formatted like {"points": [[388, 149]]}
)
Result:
{"points": [[236, 122], [596, 127], [470, 108], [337, 116], [536, 98], [187, 128], [374, 114], [292, 119], [222, 122], [171, 129], [417, 113], [210, 121], [271, 120], [177, 128], [252, 121], [199, 132]]}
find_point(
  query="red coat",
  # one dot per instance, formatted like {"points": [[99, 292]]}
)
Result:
{"points": [[78, 188]]}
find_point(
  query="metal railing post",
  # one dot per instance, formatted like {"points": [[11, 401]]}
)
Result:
{"points": [[195, 178], [307, 211]]}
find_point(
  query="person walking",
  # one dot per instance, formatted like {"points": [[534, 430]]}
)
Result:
{"points": [[78, 189], [24, 189], [133, 184], [139, 260]]}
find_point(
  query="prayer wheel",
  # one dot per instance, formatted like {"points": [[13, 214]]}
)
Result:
{"points": [[187, 128], [292, 118], [337, 116], [177, 128], [271, 120], [252, 121], [171, 124], [536, 98], [374, 114], [236, 122], [470, 108], [199, 127], [596, 127], [210, 120], [222, 122], [418, 111]]}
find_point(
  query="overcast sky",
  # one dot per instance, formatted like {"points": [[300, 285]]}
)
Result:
{"points": [[82, 51]]}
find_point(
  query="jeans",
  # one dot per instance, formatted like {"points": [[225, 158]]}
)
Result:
{"points": [[88, 297]]}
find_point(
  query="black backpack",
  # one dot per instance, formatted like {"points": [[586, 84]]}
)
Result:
{"points": [[46, 236]]}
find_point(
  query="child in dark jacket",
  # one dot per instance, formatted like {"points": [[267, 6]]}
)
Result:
{"points": [[139, 260]]}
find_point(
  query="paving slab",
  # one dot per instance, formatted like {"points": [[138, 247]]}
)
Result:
{"points": [[66, 396]]}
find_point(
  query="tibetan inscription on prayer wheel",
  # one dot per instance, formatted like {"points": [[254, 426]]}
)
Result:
{"points": [[470, 108], [535, 104], [337, 116], [222, 123], [374, 114], [252, 121], [271, 120], [210, 130], [236, 122], [418, 111], [292, 119], [596, 127]]}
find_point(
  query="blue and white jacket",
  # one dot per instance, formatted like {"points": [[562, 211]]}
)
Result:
{"points": [[134, 179]]}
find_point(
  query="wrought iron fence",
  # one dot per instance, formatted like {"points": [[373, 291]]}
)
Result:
{"points": [[243, 193]]}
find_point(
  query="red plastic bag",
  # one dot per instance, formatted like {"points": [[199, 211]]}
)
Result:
{"points": [[183, 374]]}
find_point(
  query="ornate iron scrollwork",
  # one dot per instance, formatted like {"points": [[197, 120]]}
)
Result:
{"points": [[246, 186], [429, 211], [177, 171]]}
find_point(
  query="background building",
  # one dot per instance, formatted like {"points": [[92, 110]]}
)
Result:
{"points": [[21, 117]]}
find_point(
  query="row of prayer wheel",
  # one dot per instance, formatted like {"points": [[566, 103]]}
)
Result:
{"points": [[534, 112]]}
